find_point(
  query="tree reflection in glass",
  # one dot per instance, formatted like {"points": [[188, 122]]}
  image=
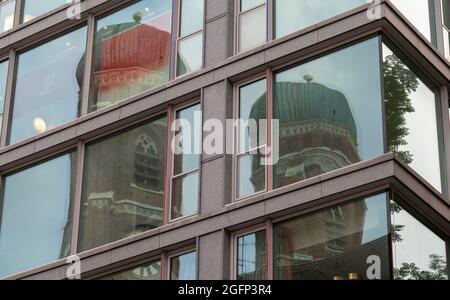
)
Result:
{"points": [[411, 119], [418, 253], [330, 113]]}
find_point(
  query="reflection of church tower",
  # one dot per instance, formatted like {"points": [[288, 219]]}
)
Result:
{"points": [[317, 131], [129, 58], [317, 135], [127, 197]]}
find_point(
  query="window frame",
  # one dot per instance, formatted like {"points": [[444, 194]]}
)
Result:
{"points": [[445, 31], [3, 113], [128, 266], [389, 190], [439, 99], [171, 161], [266, 227], [267, 76], [12, 85], [73, 201], [81, 167], [178, 38], [237, 20], [178, 253], [270, 72]]}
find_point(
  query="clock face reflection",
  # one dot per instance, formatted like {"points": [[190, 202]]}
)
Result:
{"points": [[148, 271]]}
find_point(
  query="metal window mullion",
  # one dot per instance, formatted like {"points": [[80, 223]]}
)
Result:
{"points": [[444, 138], [9, 95], [77, 198], [17, 13], [269, 249], [438, 25], [88, 65], [270, 20], [189, 35], [269, 130], [251, 151], [251, 9], [185, 174]]}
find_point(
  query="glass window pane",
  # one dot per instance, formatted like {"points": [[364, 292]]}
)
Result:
{"points": [[188, 138], [149, 271], [252, 114], [418, 13], [123, 185], [411, 119], [36, 215], [252, 174], [334, 243], [249, 4], [184, 267], [418, 253], [132, 52], [3, 79], [185, 192], [190, 54], [48, 85], [446, 43], [293, 15], [251, 256], [330, 113], [7, 15], [33, 8], [446, 12], [191, 16], [252, 29]]}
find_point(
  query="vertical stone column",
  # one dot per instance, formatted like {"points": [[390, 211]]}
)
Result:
{"points": [[214, 253], [219, 30]]}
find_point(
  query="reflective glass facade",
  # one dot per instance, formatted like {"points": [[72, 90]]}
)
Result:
{"points": [[132, 52], [123, 186], [36, 208], [336, 170], [330, 113], [48, 84]]}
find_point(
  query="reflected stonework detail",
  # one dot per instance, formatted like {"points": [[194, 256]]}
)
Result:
{"points": [[329, 111], [132, 52], [149, 271], [251, 256], [123, 188], [334, 243], [418, 253]]}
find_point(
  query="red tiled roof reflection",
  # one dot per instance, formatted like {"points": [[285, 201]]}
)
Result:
{"points": [[136, 52]]}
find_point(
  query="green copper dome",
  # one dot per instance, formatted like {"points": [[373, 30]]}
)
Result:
{"points": [[297, 102]]}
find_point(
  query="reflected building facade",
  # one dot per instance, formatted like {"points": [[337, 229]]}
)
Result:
{"points": [[124, 194], [317, 132]]}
